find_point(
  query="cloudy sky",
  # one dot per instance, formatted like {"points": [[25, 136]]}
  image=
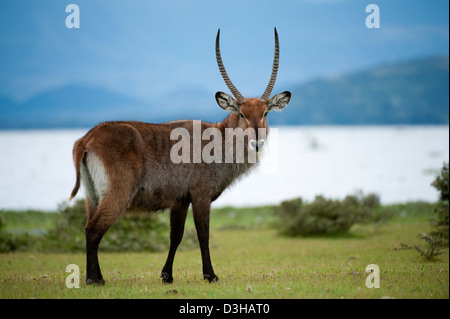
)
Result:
{"points": [[147, 49]]}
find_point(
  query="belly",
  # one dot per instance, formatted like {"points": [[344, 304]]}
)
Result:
{"points": [[158, 198]]}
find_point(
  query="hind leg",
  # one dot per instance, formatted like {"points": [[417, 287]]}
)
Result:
{"points": [[108, 211], [93, 272], [91, 243]]}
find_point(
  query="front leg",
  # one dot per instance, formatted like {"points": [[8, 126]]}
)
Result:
{"points": [[201, 208], [177, 221]]}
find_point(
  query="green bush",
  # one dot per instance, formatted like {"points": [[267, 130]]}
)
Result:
{"points": [[134, 231], [325, 216], [441, 183], [12, 242], [438, 239]]}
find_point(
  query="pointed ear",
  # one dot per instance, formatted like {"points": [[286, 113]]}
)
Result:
{"points": [[279, 101], [227, 102]]}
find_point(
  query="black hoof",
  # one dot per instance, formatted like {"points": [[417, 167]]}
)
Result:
{"points": [[166, 278], [211, 278], [100, 282]]}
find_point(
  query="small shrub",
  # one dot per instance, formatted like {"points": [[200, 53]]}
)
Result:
{"points": [[438, 238], [441, 183], [434, 247], [134, 231], [10, 242], [325, 216], [15, 242], [441, 225]]}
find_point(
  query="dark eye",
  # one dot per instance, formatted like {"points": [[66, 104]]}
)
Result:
{"points": [[265, 114], [242, 115]]}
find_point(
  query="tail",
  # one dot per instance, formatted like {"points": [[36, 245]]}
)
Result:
{"points": [[78, 155]]}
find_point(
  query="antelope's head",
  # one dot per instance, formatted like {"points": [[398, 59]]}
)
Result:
{"points": [[252, 112]]}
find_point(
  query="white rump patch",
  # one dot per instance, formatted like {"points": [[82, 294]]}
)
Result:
{"points": [[94, 177]]}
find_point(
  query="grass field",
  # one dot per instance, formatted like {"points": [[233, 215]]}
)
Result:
{"points": [[252, 261]]}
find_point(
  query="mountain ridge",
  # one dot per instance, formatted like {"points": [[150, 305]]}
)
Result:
{"points": [[409, 92]]}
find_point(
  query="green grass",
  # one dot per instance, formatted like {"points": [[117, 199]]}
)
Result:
{"points": [[252, 261]]}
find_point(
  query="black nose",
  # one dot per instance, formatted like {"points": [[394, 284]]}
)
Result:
{"points": [[257, 146]]}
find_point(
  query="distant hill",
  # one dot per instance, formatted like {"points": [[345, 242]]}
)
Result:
{"points": [[415, 92], [82, 106], [69, 106]]}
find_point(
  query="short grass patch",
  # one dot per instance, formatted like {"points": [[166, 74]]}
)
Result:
{"points": [[251, 263]]}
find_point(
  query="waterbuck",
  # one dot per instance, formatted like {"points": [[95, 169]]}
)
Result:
{"points": [[130, 164]]}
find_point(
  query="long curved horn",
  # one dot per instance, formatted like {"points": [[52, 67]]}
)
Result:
{"points": [[273, 77], [225, 77]]}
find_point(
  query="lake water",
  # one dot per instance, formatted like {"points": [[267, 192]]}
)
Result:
{"points": [[397, 163]]}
